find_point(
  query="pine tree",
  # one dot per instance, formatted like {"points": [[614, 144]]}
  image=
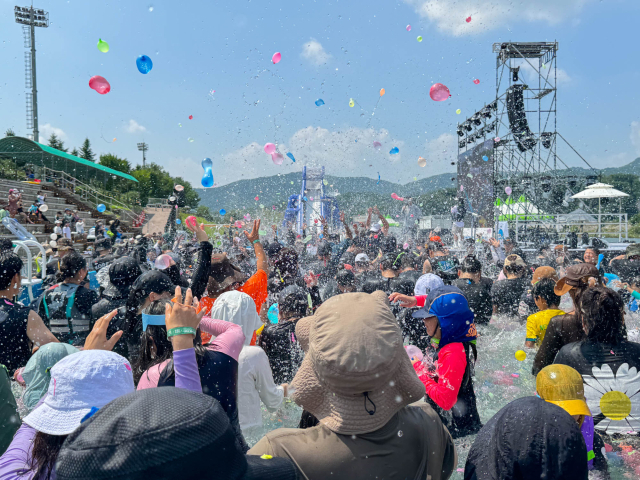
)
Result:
{"points": [[86, 152], [9, 133], [74, 152], [55, 142]]}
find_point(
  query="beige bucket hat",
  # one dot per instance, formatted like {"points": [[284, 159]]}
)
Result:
{"points": [[356, 374]]}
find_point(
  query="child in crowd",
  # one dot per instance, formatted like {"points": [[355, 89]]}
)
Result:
{"points": [[66, 230], [547, 302], [58, 228]]}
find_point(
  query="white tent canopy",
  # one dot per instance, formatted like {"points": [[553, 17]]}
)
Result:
{"points": [[577, 216], [600, 190]]}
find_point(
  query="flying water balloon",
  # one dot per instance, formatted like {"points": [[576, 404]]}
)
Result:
{"points": [[43, 208], [99, 84], [351, 104], [319, 102], [394, 151], [419, 38], [458, 111], [521, 355], [497, 139], [103, 46], [276, 57], [507, 190], [290, 155], [238, 224], [144, 64], [468, 19], [408, 28], [190, 117], [277, 158], [207, 177], [439, 92], [485, 158], [223, 212], [382, 92], [257, 198], [269, 148], [396, 197], [377, 144], [476, 81], [422, 162], [190, 140], [178, 221], [378, 183], [101, 207]]}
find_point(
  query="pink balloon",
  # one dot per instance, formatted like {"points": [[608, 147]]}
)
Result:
{"points": [[439, 92], [377, 144], [408, 28], [277, 158], [99, 84], [476, 81], [497, 139], [468, 19], [396, 197], [191, 221], [462, 188], [238, 224], [269, 148], [247, 217], [276, 57], [507, 190]]}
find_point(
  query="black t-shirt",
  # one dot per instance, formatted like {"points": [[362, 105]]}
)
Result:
{"points": [[505, 294], [285, 355], [607, 368], [478, 296], [445, 267], [15, 348], [101, 262], [625, 269]]}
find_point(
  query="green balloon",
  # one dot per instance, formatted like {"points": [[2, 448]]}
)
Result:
{"points": [[103, 46], [419, 38]]}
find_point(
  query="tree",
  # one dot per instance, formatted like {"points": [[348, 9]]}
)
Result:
{"points": [[74, 152], [112, 161], [204, 212], [154, 181], [86, 152], [9, 133], [55, 142]]}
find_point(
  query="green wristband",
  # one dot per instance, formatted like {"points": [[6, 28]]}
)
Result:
{"points": [[172, 332], [255, 241]]}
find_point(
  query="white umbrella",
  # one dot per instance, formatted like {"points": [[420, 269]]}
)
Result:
{"points": [[600, 190]]}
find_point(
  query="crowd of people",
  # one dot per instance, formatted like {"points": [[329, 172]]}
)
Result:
{"points": [[375, 338]]}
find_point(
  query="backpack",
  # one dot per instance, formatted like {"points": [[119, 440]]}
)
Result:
{"points": [[61, 315]]}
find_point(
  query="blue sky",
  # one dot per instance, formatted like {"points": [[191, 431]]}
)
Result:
{"points": [[334, 50]]}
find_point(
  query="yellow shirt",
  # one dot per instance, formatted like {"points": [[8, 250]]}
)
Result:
{"points": [[537, 324]]}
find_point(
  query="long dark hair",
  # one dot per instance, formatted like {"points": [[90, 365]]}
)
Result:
{"points": [[70, 265], [44, 454], [146, 284], [157, 335], [602, 314]]}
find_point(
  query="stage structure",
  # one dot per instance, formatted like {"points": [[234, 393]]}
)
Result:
{"points": [[313, 202], [521, 127]]}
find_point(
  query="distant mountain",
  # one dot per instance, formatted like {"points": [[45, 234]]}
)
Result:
{"points": [[276, 190]]}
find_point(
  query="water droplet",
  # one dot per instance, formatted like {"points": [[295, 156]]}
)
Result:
{"points": [[400, 433]]}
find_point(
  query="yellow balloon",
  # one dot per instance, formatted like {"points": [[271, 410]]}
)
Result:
{"points": [[458, 111], [382, 92], [521, 355], [351, 102]]}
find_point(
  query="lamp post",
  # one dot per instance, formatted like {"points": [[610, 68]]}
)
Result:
{"points": [[143, 147], [32, 17]]}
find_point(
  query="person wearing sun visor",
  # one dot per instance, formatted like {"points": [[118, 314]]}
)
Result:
{"points": [[446, 369]]}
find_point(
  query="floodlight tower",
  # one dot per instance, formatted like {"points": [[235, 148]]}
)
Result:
{"points": [[143, 147], [31, 17]]}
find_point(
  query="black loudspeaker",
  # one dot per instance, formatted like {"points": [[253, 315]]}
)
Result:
{"points": [[518, 119]]}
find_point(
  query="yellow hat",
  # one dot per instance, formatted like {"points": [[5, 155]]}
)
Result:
{"points": [[563, 386]]}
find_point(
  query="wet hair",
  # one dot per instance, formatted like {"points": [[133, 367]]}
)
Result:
{"points": [[5, 244], [544, 290], [408, 260], [636, 281], [71, 264], [286, 262], [514, 269], [602, 313], [405, 286], [43, 455], [146, 284], [346, 278], [372, 284], [157, 335], [324, 249], [388, 244], [10, 265], [595, 250], [435, 247], [470, 264], [391, 261], [293, 302]]}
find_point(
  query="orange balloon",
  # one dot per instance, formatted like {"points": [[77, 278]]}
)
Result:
{"points": [[381, 91], [114, 139]]}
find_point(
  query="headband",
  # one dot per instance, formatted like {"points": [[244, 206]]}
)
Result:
{"points": [[152, 320]]}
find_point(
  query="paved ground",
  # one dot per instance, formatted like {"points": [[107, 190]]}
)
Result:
{"points": [[159, 217]]}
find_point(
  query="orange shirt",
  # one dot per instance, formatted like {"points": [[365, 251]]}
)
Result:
{"points": [[255, 287]]}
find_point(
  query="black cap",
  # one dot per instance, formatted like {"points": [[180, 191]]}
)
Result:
{"points": [[150, 282], [163, 433], [273, 248], [124, 271], [103, 244]]}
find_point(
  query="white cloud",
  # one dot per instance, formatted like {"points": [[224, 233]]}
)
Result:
{"points": [[314, 52], [449, 16], [348, 152], [635, 135], [529, 73], [439, 153], [47, 129], [134, 127]]}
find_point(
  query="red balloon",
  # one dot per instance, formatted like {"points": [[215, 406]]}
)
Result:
{"points": [[190, 117], [99, 84], [439, 92]]}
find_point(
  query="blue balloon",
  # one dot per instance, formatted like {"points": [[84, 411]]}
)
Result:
{"points": [[101, 208], [319, 102], [485, 158], [178, 221], [378, 183], [223, 211], [207, 178], [304, 198], [290, 155], [144, 64], [394, 150]]}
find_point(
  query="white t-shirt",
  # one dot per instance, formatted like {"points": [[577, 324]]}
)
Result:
{"points": [[66, 231], [80, 226], [57, 230]]}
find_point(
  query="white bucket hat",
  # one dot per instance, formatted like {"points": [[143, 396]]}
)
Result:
{"points": [[426, 283], [80, 384]]}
